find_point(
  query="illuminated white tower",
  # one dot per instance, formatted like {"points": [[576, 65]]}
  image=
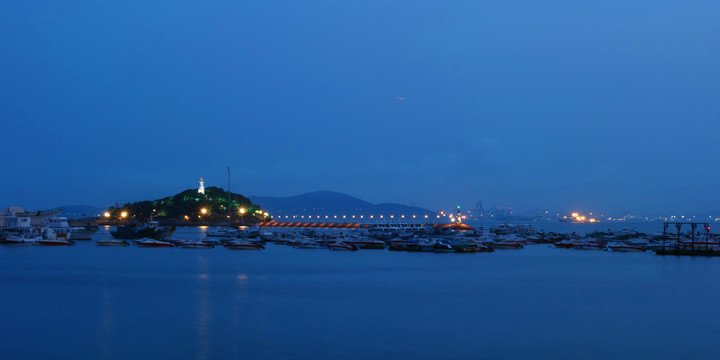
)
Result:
{"points": [[201, 189]]}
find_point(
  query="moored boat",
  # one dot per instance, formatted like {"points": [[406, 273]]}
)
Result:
{"points": [[112, 242], [244, 245], [54, 242], [83, 233], [342, 246], [195, 245], [152, 243], [310, 245], [368, 243], [507, 245], [22, 238], [588, 245], [471, 247], [621, 247]]}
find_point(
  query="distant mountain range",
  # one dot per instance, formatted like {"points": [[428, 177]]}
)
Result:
{"points": [[79, 211], [333, 203]]}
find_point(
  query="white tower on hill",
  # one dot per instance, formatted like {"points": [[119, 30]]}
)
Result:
{"points": [[201, 189]]}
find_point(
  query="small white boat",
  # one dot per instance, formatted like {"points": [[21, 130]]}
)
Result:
{"points": [[22, 238]]}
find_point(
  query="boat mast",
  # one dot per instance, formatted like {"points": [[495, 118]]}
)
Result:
{"points": [[229, 204]]}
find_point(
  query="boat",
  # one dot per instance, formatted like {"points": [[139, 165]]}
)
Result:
{"points": [[59, 225], [266, 235], [112, 242], [342, 246], [83, 232], [54, 242], [624, 247], [195, 245], [507, 245], [412, 246], [145, 242], [367, 243], [222, 232], [244, 245], [564, 244], [471, 247], [310, 245], [591, 244], [22, 238], [148, 230]]}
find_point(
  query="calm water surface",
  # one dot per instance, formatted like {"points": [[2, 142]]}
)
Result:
{"points": [[118, 303]]}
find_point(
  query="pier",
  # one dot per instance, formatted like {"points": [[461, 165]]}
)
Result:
{"points": [[697, 246]]}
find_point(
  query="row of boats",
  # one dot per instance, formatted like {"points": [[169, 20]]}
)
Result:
{"points": [[410, 240]]}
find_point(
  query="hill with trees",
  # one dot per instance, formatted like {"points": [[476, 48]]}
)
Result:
{"points": [[192, 206]]}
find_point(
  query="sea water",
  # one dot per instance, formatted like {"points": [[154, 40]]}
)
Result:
{"points": [[90, 302]]}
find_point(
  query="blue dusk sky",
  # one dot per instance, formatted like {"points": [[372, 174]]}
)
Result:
{"points": [[601, 105]]}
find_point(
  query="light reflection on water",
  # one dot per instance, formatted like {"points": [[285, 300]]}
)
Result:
{"points": [[116, 303]]}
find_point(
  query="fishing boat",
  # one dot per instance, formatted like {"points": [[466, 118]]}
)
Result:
{"points": [[59, 225]]}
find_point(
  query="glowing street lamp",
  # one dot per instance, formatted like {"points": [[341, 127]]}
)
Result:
{"points": [[106, 214], [123, 214], [242, 217], [203, 211]]}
